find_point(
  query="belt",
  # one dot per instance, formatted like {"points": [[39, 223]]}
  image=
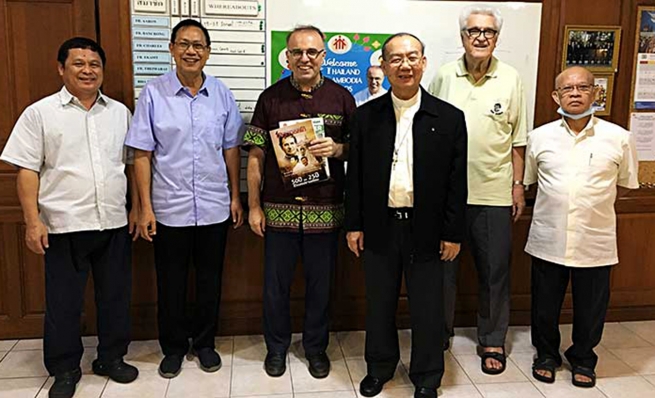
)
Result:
{"points": [[401, 213]]}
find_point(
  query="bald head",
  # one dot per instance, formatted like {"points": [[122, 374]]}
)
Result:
{"points": [[581, 73], [574, 90]]}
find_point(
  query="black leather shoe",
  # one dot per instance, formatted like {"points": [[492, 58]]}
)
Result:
{"points": [[170, 366], [209, 359], [319, 365], [424, 392], [65, 383], [371, 386], [275, 364], [117, 370]]}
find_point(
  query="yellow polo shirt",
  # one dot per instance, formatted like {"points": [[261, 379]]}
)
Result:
{"points": [[496, 120]]}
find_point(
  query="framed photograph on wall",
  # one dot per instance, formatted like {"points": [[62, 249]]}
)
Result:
{"points": [[593, 47], [643, 84], [604, 84]]}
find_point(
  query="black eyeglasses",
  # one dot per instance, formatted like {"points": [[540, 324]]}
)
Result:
{"points": [[312, 53], [184, 45], [474, 33]]}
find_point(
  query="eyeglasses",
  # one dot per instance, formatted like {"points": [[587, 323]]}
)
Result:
{"points": [[197, 46], [312, 53], [568, 90], [474, 33], [397, 60]]}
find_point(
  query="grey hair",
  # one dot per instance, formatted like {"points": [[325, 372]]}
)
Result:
{"points": [[481, 9]]}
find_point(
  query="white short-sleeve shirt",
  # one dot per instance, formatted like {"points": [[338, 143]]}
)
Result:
{"points": [[80, 157], [573, 221]]}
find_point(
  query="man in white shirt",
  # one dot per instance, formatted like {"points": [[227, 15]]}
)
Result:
{"points": [[405, 202], [72, 188], [374, 79], [579, 163]]}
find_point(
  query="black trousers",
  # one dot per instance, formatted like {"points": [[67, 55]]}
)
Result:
{"points": [[175, 249], [489, 237], [67, 263], [591, 292], [424, 281], [319, 255]]}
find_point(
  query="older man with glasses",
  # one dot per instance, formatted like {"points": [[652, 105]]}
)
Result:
{"points": [[186, 131], [491, 95], [581, 164], [303, 222]]}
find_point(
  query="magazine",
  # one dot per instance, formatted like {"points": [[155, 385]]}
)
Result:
{"points": [[298, 167]]}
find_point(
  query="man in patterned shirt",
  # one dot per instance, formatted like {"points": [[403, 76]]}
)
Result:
{"points": [[303, 221]]}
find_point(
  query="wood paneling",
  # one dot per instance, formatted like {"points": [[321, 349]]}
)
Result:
{"points": [[29, 72], [30, 35]]}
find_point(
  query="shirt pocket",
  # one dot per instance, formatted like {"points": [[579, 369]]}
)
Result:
{"points": [[215, 130]]}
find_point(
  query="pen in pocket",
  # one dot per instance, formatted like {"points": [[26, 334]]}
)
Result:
{"points": [[591, 155]]}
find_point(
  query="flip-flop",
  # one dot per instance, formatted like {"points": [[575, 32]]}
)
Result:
{"points": [[583, 371], [546, 364], [498, 356]]}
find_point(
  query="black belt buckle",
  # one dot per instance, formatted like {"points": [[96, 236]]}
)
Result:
{"points": [[401, 214]]}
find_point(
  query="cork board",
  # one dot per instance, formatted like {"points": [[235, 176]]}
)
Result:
{"points": [[647, 172]]}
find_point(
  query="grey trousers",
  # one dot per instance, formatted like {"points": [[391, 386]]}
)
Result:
{"points": [[489, 237]]}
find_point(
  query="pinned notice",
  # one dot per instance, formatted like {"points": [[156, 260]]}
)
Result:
{"points": [[642, 125]]}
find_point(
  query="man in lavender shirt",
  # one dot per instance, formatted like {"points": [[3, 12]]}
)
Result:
{"points": [[186, 132]]}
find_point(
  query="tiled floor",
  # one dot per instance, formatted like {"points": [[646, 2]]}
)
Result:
{"points": [[626, 369]]}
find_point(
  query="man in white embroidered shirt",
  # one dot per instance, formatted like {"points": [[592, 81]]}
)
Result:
{"points": [[72, 189], [579, 163]]}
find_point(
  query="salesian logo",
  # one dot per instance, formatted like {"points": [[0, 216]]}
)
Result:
{"points": [[339, 44]]}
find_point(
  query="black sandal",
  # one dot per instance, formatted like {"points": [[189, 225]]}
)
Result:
{"points": [[583, 371], [545, 364], [498, 356]]}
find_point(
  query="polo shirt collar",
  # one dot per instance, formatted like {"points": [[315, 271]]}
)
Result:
{"points": [[462, 71]]}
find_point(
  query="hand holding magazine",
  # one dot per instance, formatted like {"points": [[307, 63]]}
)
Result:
{"points": [[298, 167]]}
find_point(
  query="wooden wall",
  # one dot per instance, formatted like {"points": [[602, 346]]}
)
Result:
{"points": [[32, 30]]}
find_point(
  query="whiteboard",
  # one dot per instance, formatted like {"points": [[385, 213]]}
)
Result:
{"points": [[435, 22]]}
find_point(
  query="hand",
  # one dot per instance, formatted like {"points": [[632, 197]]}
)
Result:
{"points": [[355, 242], [147, 224], [449, 250], [257, 221], [325, 147], [133, 222], [36, 237], [237, 212], [518, 201]]}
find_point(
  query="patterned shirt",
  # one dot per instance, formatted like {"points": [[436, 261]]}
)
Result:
{"points": [[314, 208]]}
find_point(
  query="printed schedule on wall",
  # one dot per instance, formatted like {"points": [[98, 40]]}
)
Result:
{"points": [[237, 29]]}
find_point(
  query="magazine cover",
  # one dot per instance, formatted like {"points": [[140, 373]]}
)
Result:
{"points": [[297, 166]]}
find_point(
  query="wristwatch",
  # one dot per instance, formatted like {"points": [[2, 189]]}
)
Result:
{"points": [[518, 182]]}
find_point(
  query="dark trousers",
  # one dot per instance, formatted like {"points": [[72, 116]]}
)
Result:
{"points": [[175, 249], [591, 292], [319, 254], [424, 281], [67, 263], [489, 237]]}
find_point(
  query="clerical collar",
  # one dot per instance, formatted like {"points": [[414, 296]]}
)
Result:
{"points": [[318, 85], [400, 103]]}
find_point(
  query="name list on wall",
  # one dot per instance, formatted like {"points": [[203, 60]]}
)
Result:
{"points": [[237, 29]]}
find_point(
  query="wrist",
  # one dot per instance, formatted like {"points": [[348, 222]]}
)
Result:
{"points": [[32, 221], [517, 184]]}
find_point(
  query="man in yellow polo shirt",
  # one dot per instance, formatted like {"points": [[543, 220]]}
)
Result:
{"points": [[491, 95]]}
